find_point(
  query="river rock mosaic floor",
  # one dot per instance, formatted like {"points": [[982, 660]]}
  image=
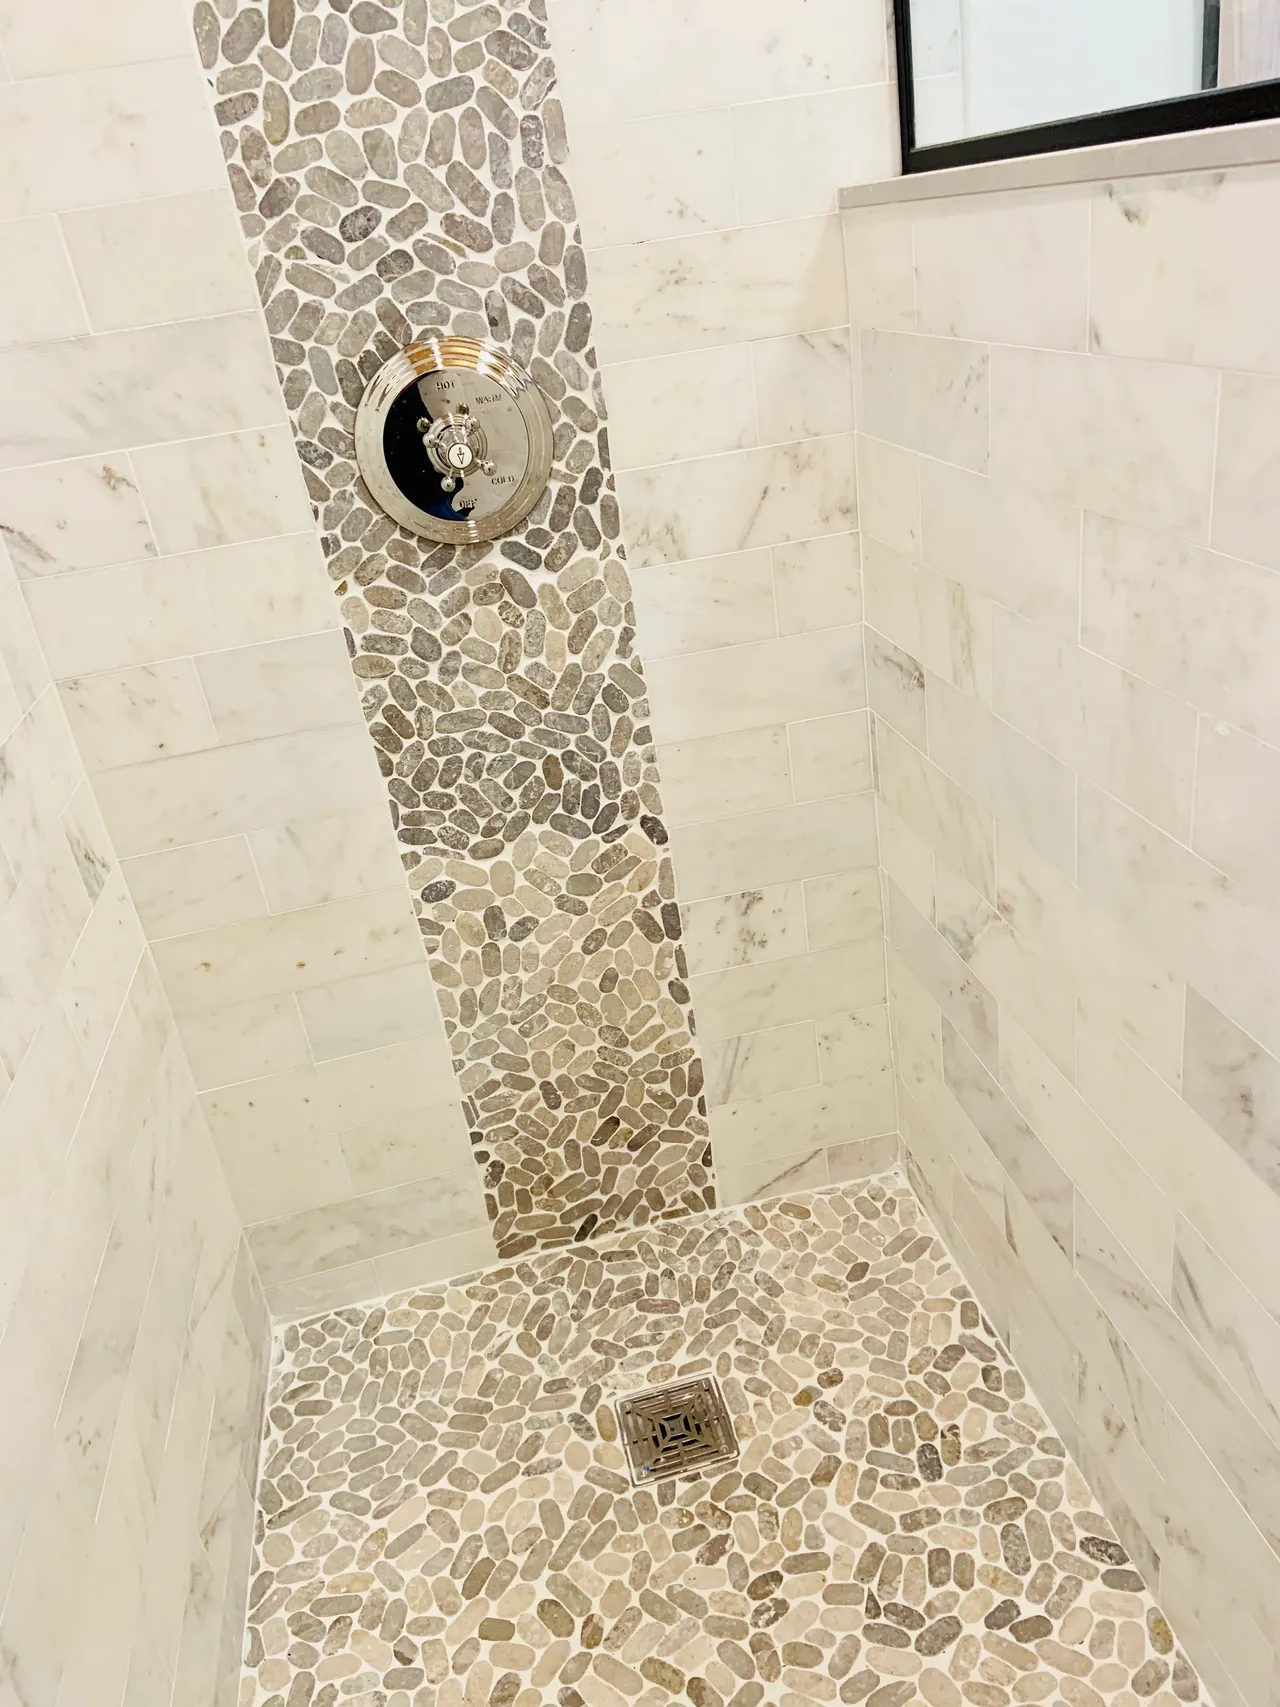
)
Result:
{"points": [[445, 1518]]}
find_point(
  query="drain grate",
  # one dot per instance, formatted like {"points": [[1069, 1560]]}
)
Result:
{"points": [[676, 1431]]}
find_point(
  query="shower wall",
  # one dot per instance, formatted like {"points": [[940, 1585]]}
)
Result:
{"points": [[157, 520], [706, 147], [1069, 408], [133, 1332]]}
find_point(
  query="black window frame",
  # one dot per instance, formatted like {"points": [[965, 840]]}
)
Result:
{"points": [[1211, 109]]}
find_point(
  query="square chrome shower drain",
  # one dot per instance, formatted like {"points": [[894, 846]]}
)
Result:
{"points": [[679, 1430]]}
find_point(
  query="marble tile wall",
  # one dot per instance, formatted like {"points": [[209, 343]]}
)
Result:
{"points": [[398, 172], [134, 1335], [706, 147], [1068, 458], [160, 529]]}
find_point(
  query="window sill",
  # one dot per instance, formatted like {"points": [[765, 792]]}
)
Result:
{"points": [[1160, 156]]}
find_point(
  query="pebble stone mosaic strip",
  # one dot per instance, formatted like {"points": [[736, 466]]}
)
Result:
{"points": [[399, 170], [445, 1517]]}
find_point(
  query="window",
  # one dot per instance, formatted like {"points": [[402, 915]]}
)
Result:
{"points": [[990, 79]]}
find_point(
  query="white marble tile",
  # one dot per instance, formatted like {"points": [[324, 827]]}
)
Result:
{"points": [[86, 395], [1245, 1457], [1018, 782], [722, 776], [743, 929], [732, 502], [651, 178], [958, 829], [1246, 508], [672, 408], [743, 687], [888, 493], [943, 623], [927, 394], [195, 888], [442, 1259], [280, 687], [844, 907], [616, 63], [1010, 270], [38, 294], [124, 717], [1204, 1177], [863, 1158], [93, 137], [135, 613], [1131, 440], [170, 258], [394, 1148], [1024, 986], [393, 1080], [304, 862], [791, 156], [278, 1146], [1113, 1183], [215, 491], [74, 515], [1016, 547], [1241, 1338], [1237, 808], [294, 1300], [358, 1014], [1212, 932], [895, 688], [1199, 625], [289, 951], [100, 968], [245, 1040], [710, 602], [80, 37], [1234, 1084], [790, 1125], [1043, 1185], [88, 840], [759, 849], [371, 1226], [1180, 269], [688, 293], [200, 797], [853, 1050], [784, 992], [1092, 951], [752, 1180], [830, 755], [39, 773], [803, 387], [1128, 737], [964, 1000], [907, 858], [816, 583], [880, 264], [760, 1063]]}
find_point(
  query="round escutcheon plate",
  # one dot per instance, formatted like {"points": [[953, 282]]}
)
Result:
{"points": [[454, 440]]}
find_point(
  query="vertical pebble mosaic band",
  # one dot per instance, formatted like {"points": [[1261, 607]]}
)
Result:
{"points": [[399, 170], [446, 1521]]}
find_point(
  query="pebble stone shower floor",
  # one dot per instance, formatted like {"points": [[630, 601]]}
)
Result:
{"points": [[445, 1516]]}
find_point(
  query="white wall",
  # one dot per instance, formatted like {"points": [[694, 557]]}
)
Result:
{"points": [[164, 544], [133, 1332], [1069, 464], [707, 142]]}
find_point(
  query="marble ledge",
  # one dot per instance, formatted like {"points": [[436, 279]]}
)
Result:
{"points": [[1142, 157]]}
